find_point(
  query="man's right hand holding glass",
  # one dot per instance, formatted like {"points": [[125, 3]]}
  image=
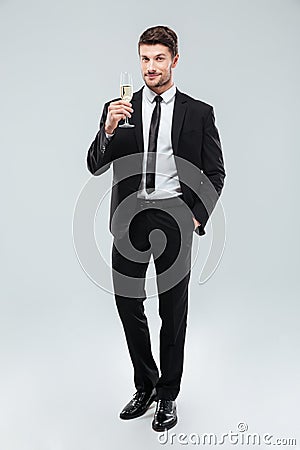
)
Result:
{"points": [[117, 111]]}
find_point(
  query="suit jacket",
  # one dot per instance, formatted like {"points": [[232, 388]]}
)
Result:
{"points": [[198, 157]]}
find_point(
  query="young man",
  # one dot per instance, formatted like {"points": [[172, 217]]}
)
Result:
{"points": [[151, 192]]}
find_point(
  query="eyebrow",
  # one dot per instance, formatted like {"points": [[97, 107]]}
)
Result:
{"points": [[160, 54]]}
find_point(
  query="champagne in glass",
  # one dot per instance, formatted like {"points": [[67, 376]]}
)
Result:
{"points": [[126, 93]]}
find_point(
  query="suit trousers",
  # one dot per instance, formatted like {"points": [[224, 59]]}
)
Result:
{"points": [[163, 229]]}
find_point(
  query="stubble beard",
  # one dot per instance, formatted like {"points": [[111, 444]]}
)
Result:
{"points": [[161, 82]]}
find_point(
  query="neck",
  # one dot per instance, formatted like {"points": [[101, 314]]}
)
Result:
{"points": [[161, 89]]}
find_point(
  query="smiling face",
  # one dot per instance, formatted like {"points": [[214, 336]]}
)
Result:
{"points": [[157, 65]]}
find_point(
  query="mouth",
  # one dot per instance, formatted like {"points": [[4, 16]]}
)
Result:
{"points": [[152, 76]]}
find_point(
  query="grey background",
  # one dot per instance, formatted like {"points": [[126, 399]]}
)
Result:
{"points": [[65, 369]]}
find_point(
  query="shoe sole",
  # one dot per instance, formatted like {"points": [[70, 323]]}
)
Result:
{"points": [[134, 416], [165, 427]]}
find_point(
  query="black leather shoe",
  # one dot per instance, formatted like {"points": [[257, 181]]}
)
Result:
{"points": [[165, 416], [138, 405]]}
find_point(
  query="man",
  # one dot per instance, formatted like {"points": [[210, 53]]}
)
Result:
{"points": [[154, 212]]}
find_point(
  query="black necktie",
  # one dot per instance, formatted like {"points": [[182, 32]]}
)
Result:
{"points": [[152, 146]]}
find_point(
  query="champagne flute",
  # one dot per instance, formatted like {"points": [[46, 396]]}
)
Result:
{"points": [[126, 93]]}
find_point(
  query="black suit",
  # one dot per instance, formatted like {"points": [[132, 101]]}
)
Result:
{"points": [[199, 162], [195, 138]]}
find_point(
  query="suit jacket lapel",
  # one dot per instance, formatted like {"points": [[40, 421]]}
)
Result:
{"points": [[136, 119], [180, 106]]}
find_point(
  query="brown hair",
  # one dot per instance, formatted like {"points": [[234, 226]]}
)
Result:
{"points": [[160, 35]]}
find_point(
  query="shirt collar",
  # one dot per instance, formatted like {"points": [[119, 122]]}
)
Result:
{"points": [[167, 96]]}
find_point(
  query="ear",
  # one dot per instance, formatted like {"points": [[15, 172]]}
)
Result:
{"points": [[175, 61]]}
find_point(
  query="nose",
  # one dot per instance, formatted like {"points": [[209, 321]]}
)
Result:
{"points": [[151, 66]]}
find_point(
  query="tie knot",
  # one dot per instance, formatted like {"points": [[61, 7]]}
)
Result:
{"points": [[158, 99]]}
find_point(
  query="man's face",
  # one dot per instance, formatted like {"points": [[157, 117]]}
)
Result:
{"points": [[156, 66]]}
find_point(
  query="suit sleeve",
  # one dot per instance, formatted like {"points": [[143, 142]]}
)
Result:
{"points": [[213, 172], [100, 153]]}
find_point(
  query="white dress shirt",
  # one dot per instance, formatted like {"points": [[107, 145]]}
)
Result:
{"points": [[166, 179]]}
